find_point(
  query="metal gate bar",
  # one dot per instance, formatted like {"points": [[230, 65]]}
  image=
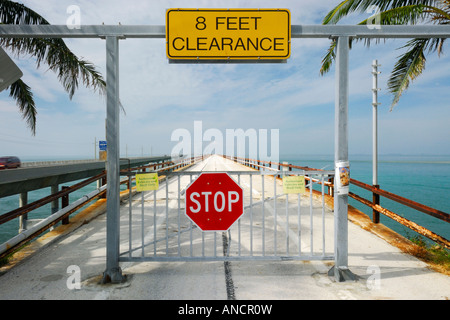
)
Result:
{"points": [[204, 246]]}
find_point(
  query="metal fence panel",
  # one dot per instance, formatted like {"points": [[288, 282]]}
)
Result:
{"points": [[274, 226]]}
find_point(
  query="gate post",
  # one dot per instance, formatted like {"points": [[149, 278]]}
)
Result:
{"points": [[113, 273], [340, 269]]}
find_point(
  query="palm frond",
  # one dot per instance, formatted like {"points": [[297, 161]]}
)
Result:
{"points": [[327, 60], [440, 15], [347, 7], [60, 59], [69, 69], [409, 66], [16, 13], [436, 44], [394, 12], [400, 16], [21, 92], [338, 12]]}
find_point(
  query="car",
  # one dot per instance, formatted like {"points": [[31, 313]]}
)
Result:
{"points": [[9, 162]]}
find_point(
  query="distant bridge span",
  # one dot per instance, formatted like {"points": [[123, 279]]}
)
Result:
{"points": [[51, 173]]}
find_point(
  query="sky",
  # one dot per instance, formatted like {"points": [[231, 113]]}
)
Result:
{"points": [[160, 98]]}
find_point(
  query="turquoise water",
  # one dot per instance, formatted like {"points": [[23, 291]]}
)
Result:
{"points": [[424, 179], [10, 228], [7, 204]]}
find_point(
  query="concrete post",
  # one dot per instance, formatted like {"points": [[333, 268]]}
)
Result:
{"points": [[65, 203], [23, 200], [55, 205]]}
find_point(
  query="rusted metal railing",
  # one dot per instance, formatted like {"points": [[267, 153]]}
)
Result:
{"points": [[9, 247], [374, 204]]}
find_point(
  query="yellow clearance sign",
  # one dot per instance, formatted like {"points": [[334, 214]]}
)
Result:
{"points": [[228, 33]]}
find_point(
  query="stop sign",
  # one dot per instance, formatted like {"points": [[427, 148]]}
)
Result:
{"points": [[214, 201]]}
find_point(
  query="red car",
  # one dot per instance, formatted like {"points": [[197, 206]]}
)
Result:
{"points": [[9, 162]]}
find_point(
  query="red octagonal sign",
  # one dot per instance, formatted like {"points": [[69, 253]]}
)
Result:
{"points": [[214, 201]]}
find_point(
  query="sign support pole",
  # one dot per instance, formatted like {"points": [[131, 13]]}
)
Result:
{"points": [[340, 269], [113, 273]]}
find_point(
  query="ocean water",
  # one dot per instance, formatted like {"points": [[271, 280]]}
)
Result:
{"points": [[10, 228], [424, 179]]}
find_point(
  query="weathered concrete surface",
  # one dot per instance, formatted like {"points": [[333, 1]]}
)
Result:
{"points": [[384, 271]]}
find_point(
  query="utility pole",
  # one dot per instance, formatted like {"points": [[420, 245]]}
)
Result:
{"points": [[375, 89]]}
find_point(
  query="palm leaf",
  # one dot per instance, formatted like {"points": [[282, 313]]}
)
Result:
{"points": [[347, 7], [412, 63], [16, 13], [441, 15], [409, 66], [437, 44], [400, 16], [327, 60], [60, 59], [54, 52], [21, 92]]}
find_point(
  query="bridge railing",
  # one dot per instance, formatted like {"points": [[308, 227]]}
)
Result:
{"points": [[26, 234], [374, 204]]}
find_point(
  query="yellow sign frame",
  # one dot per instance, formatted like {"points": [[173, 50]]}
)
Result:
{"points": [[228, 34]]}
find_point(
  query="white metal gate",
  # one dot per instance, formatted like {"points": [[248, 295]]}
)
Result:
{"points": [[274, 226]]}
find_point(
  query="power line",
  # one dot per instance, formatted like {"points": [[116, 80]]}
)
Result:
{"points": [[23, 140]]}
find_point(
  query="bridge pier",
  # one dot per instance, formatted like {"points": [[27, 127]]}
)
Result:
{"points": [[23, 200]]}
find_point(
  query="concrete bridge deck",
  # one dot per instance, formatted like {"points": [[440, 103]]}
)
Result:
{"points": [[383, 270]]}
